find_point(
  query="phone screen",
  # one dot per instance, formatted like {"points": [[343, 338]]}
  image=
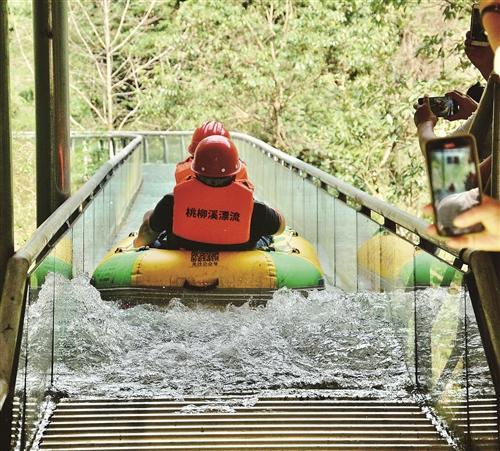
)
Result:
{"points": [[454, 178], [478, 36]]}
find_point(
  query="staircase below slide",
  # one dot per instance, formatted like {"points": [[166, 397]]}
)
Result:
{"points": [[239, 423]]}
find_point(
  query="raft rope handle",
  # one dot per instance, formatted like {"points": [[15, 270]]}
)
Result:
{"points": [[130, 247], [287, 245], [288, 241]]}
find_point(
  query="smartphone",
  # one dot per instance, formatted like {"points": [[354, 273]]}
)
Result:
{"points": [[455, 181], [478, 36], [441, 106]]}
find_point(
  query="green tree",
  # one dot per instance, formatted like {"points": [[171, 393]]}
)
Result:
{"points": [[114, 49]]}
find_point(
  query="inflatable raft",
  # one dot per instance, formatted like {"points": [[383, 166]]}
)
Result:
{"points": [[59, 261], [290, 262], [399, 265]]}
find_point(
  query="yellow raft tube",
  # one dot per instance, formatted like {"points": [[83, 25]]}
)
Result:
{"points": [[291, 262]]}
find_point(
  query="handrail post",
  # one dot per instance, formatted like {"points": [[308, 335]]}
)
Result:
{"points": [[6, 197], [52, 105]]}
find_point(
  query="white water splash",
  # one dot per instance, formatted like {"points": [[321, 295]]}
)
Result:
{"points": [[219, 405], [328, 342]]}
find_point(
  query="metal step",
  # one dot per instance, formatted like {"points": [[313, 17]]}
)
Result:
{"points": [[267, 424], [480, 416]]}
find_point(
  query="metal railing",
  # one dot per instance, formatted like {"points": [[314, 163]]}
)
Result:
{"points": [[25, 260]]}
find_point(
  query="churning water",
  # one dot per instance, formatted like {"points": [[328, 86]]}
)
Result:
{"points": [[330, 342]]}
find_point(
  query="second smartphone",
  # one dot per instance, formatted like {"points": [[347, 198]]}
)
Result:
{"points": [[455, 181]]}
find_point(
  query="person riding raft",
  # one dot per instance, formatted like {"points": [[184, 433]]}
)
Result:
{"points": [[211, 210], [208, 128]]}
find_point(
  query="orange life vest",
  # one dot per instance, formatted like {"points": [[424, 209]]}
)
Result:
{"points": [[183, 170], [211, 215], [242, 173]]}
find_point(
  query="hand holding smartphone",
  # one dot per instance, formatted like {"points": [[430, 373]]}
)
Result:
{"points": [[443, 106], [455, 181]]}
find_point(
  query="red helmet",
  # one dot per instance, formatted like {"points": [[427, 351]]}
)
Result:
{"points": [[206, 129], [216, 156]]}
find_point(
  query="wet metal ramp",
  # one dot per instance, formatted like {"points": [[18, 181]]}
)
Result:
{"points": [[239, 424]]}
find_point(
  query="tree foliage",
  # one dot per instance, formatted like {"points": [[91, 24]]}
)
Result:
{"points": [[115, 46], [332, 82]]}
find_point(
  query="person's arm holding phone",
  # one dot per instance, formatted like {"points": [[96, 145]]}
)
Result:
{"points": [[487, 212], [425, 121]]}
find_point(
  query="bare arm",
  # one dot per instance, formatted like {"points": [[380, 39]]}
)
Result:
{"points": [[425, 132], [425, 120]]}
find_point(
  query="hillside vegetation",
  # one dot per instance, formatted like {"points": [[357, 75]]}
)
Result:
{"points": [[332, 82]]}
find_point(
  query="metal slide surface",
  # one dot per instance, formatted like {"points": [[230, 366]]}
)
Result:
{"points": [[250, 424]]}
